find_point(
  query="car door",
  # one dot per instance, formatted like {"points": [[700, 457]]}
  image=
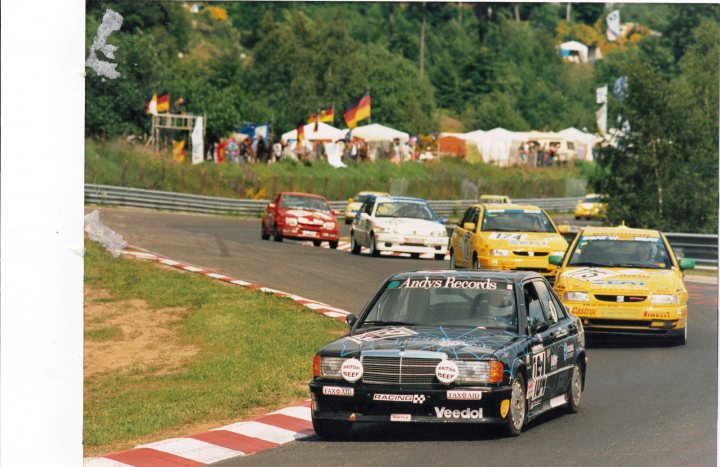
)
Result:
{"points": [[469, 239], [362, 225], [541, 379], [458, 236]]}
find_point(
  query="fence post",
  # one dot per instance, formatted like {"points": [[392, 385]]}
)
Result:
{"points": [[95, 168], [203, 174], [219, 188], [242, 186], [274, 185], [142, 174], [309, 186], [389, 185], [182, 178], [341, 189], [325, 186]]}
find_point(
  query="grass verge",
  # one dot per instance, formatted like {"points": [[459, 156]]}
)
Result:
{"points": [[252, 353]]}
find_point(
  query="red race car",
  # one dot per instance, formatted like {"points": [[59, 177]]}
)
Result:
{"points": [[300, 216]]}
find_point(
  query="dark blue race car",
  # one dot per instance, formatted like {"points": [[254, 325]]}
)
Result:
{"points": [[452, 346]]}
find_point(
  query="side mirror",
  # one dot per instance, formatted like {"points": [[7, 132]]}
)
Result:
{"points": [[555, 259], [563, 228], [364, 216], [351, 320], [686, 263], [443, 220], [469, 226], [542, 327]]}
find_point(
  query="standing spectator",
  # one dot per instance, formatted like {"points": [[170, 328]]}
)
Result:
{"points": [[276, 151], [262, 150], [221, 151], [362, 151], [524, 152], [249, 155], [233, 151], [353, 151]]}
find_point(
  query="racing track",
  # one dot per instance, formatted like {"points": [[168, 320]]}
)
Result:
{"points": [[644, 404]]}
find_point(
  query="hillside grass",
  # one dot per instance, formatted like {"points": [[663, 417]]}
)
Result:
{"points": [[117, 163], [251, 353]]}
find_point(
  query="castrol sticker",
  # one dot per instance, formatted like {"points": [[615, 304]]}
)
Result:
{"points": [[351, 370], [446, 371]]}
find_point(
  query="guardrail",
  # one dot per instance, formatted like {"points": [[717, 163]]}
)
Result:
{"points": [[702, 248]]}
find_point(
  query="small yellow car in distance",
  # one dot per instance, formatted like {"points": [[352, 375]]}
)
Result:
{"points": [[354, 203], [506, 237], [619, 280], [591, 206], [495, 199]]}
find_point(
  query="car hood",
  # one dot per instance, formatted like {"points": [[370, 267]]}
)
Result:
{"points": [[525, 241], [456, 342], [620, 281], [325, 216], [410, 226]]}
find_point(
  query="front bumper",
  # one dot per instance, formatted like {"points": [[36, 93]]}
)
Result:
{"points": [[424, 404], [660, 321], [303, 232], [537, 264], [411, 244]]}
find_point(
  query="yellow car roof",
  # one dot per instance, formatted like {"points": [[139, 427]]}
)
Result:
{"points": [[620, 230], [508, 206], [379, 193]]}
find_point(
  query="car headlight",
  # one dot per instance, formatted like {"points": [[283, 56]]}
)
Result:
{"points": [[576, 296], [479, 372], [329, 225], [387, 230], [499, 252], [438, 233], [291, 221], [328, 367], [557, 253], [664, 299]]}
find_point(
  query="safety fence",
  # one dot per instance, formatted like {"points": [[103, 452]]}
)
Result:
{"points": [[703, 248]]}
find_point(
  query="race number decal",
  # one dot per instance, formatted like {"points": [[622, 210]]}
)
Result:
{"points": [[589, 274], [538, 382], [518, 237]]}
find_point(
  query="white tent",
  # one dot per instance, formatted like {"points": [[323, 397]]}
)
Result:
{"points": [[375, 133], [584, 142], [574, 51], [325, 132], [495, 146]]}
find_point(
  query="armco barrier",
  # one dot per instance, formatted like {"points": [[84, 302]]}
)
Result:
{"points": [[702, 248]]}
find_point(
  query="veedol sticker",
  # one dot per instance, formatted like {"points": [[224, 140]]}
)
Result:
{"points": [[351, 370], [458, 395], [388, 333], [338, 391], [518, 237], [447, 371], [442, 412]]}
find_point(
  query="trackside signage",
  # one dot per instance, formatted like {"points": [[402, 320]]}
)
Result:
{"points": [[447, 283]]}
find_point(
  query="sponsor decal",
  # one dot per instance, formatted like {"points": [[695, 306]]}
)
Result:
{"points": [[450, 343], [414, 398], [518, 237], [388, 333], [447, 371], [539, 377], [656, 314], [618, 282], [351, 370], [646, 239], [589, 274], [447, 283], [538, 348], [459, 395], [584, 311], [558, 400], [585, 238], [553, 362], [568, 351], [504, 408], [530, 243], [400, 417], [338, 391], [442, 412]]}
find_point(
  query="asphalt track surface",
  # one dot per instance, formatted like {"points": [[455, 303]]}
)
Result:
{"points": [[644, 403]]}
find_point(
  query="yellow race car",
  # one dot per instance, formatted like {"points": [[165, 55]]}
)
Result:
{"points": [[626, 281], [495, 199], [591, 206], [506, 236], [354, 204]]}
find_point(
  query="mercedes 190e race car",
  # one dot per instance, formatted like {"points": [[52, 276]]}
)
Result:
{"points": [[452, 347]]}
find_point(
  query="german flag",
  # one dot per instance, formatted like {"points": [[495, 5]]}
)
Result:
{"points": [[300, 133], [360, 112], [327, 115], [163, 103]]}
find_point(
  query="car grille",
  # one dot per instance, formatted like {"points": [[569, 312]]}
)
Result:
{"points": [[399, 370], [527, 253], [625, 298]]}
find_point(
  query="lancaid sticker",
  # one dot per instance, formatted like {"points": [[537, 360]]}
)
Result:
{"points": [[388, 333], [459, 395]]}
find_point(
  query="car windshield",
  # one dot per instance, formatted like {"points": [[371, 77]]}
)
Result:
{"points": [[613, 252], [516, 220], [593, 199], [446, 301], [362, 197], [304, 202], [410, 209]]}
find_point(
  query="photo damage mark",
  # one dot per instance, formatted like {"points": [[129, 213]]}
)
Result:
{"points": [[111, 22]]}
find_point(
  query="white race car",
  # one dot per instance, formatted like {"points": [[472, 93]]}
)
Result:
{"points": [[398, 224]]}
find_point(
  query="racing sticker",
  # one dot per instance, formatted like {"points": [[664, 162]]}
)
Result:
{"points": [[447, 283], [338, 391], [504, 408], [468, 413], [538, 381], [589, 274], [351, 370], [414, 398], [447, 371], [459, 395], [400, 417], [388, 333], [517, 237], [568, 351]]}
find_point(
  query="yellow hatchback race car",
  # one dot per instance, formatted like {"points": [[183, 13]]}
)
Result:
{"points": [[592, 206], [506, 236], [625, 281], [354, 204]]}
